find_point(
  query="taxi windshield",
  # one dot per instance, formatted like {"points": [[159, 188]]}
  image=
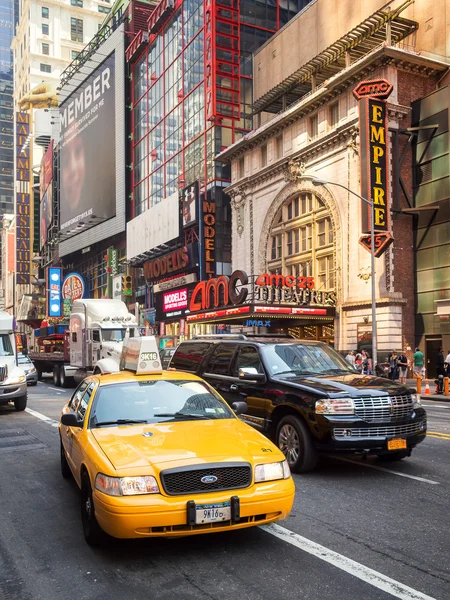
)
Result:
{"points": [[155, 402]]}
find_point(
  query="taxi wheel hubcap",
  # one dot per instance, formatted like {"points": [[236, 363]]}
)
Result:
{"points": [[289, 443], [88, 507]]}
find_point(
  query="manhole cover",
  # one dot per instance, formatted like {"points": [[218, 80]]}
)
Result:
{"points": [[11, 439]]}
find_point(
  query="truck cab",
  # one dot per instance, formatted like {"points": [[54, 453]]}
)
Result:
{"points": [[97, 331], [13, 381]]}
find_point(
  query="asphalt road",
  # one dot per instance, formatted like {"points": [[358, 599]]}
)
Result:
{"points": [[358, 530]]}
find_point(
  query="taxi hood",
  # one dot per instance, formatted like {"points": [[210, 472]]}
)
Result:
{"points": [[184, 443]]}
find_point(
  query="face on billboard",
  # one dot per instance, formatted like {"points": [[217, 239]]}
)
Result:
{"points": [[88, 150]]}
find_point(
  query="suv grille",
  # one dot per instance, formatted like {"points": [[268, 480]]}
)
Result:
{"points": [[348, 433], [383, 408], [187, 480], [3, 372]]}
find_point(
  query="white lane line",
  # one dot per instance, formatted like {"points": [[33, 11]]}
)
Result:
{"points": [[59, 390], [42, 417], [364, 465], [366, 574], [436, 406]]}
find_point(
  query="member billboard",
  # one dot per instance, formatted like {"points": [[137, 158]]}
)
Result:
{"points": [[88, 150], [46, 193]]}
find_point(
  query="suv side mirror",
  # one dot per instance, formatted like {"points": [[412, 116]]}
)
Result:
{"points": [[70, 420], [251, 374], [239, 407]]}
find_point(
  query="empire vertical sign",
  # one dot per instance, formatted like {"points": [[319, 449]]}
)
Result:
{"points": [[24, 208], [374, 142]]}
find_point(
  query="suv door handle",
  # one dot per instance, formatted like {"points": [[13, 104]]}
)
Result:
{"points": [[233, 387]]}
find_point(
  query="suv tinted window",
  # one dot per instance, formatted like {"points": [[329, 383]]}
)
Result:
{"points": [[188, 356], [247, 356], [221, 360]]}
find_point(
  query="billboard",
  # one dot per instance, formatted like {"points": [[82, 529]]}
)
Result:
{"points": [[189, 201], [175, 300], [54, 287], [24, 207], [46, 193], [73, 287], [88, 151]]}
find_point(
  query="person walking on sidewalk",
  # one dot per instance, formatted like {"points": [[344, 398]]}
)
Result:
{"points": [[393, 366], [447, 358], [418, 359], [403, 367], [440, 370]]}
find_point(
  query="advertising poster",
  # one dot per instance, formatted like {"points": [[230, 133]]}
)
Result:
{"points": [[46, 214], [88, 150], [189, 199], [54, 288]]}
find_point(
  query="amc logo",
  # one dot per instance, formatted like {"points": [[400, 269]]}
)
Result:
{"points": [[219, 292], [375, 88]]}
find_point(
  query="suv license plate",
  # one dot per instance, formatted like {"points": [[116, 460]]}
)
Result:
{"points": [[212, 513], [396, 444]]}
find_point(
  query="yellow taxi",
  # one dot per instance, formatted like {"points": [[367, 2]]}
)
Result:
{"points": [[160, 453]]}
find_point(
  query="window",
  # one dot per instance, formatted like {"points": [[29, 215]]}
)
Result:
{"points": [[103, 9], [325, 273], [45, 68], [74, 54], [5, 345], [78, 3], [188, 356], [279, 146], [241, 167], [276, 247], [313, 127], [74, 401], [306, 204], [292, 209], [221, 361], [264, 155], [76, 30], [247, 358], [45, 12], [324, 232], [306, 238], [45, 49], [45, 29], [293, 242], [333, 114]]}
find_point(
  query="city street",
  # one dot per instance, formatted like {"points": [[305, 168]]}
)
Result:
{"points": [[358, 530]]}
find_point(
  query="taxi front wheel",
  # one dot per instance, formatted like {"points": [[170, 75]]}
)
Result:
{"points": [[93, 533], [294, 441]]}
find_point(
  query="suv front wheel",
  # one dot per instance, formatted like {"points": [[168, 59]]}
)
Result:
{"points": [[294, 440]]}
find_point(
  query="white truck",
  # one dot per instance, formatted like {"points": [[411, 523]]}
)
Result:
{"points": [[93, 342], [13, 381]]}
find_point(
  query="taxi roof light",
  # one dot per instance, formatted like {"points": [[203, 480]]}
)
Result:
{"points": [[140, 355]]}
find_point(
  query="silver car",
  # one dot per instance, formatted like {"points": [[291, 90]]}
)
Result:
{"points": [[29, 368]]}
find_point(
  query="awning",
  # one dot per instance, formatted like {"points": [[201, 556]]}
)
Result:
{"points": [[263, 312]]}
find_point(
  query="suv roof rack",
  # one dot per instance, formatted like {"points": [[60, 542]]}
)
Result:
{"points": [[271, 335], [221, 336]]}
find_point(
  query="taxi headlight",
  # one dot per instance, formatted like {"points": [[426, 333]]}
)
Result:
{"points": [[272, 471], [416, 401], [13, 380], [126, 486], [335, 406]]}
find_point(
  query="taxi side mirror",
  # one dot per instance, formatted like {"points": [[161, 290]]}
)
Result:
{"points": [[240, 407], [71, 420]]}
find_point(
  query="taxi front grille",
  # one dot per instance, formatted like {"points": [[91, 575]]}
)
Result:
{"points": [[221, 476]]}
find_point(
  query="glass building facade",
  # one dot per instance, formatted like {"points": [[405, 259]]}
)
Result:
{"points": [[192, 97]]}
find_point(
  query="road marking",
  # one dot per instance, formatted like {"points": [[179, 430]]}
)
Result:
{"points": [[59, 390], [366, 574], [365, 464], [437, 406], [437, 434], [42, 417]]}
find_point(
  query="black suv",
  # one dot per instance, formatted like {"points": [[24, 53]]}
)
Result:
{"points": [[306, 397]]}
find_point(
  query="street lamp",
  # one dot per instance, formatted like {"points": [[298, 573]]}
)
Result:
{"points": [[372, 259]]}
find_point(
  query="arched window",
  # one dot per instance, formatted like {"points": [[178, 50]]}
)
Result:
{"points": [[302, 241]]}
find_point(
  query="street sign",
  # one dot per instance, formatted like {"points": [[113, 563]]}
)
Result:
{"points": [[375, 88], [382, 242]]}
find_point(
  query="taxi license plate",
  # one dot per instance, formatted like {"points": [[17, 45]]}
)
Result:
{"points": [[396, 444], [212, 513]]}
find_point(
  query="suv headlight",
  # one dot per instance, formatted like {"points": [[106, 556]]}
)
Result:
{"points": [[13, 380], [126, 486], [272, 471], [416, 401], [335, 406]]}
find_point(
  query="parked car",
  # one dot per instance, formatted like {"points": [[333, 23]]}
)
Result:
{"points": [[29, 369], [165, 355], [307, 398]]}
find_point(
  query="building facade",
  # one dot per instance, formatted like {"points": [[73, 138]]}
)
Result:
{"points": [[286, 222], [192, 79]]}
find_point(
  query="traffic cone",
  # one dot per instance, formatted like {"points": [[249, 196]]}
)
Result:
{"points": [[427, 390]]}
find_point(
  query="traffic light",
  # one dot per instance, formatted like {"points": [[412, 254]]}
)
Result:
{"points": [[127, 287]]}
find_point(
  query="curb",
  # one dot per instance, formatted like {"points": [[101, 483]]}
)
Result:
{"points": [[435, 398]]}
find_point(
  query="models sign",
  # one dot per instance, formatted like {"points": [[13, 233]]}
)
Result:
{"points": [[88, 151]]}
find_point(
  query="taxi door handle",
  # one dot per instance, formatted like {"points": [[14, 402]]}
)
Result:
{"points": [[233, 387]]}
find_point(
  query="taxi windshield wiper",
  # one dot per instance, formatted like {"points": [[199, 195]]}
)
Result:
{"points": [[121, 422], [179, 415]]}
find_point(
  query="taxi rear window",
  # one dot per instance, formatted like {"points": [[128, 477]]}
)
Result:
{"points": [[154, 402]]}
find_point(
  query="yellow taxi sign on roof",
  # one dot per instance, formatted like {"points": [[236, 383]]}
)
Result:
{"points": [[141, 356]]}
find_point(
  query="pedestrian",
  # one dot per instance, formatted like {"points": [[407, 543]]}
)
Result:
{"points": [[418, 360], [403, 367], [358, 362], [369, 366], [440, 371], [447, 358], [350, 358], [393, 366]]}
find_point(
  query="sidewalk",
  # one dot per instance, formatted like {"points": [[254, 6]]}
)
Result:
{"points": [[436, 397]]}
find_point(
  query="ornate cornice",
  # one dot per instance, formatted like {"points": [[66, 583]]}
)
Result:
{"points": [[358, 304]]}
